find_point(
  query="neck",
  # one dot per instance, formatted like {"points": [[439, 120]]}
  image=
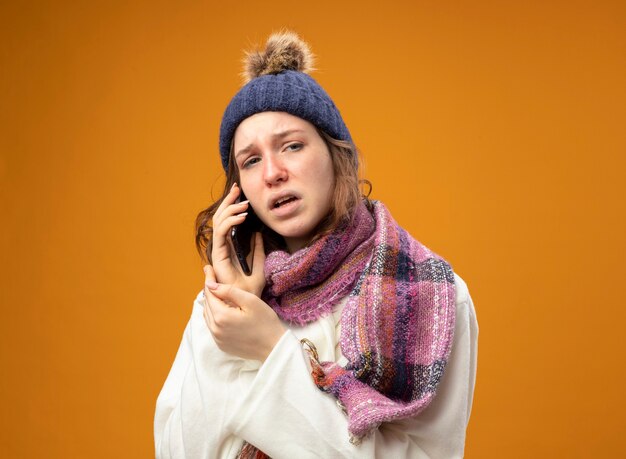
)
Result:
{"points": [[296, 243]]}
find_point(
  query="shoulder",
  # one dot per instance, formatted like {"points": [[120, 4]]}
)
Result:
{"points": [[464, 302], [465, 312], [462, 292]]}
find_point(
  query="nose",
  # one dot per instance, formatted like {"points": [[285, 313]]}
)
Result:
{"points": [[274, 170]]}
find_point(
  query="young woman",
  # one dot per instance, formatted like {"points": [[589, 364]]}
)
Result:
{"points": [[337, 342]]}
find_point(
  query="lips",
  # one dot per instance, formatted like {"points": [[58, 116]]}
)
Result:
{"points": [[283, 201], [278, 201], [284, 204]]}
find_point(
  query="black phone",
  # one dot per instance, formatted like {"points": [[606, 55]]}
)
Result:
{"points": [[241, 236]]}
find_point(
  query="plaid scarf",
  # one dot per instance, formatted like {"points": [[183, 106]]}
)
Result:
{"points": [[396, 326]]}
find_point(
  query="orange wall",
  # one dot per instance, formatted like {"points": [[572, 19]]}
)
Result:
{"points": [[493, 130]]}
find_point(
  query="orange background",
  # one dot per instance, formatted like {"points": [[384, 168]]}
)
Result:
{"points": [[493, 130]]}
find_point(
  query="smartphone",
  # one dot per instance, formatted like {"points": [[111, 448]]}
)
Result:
{"points": [[241, 236]]}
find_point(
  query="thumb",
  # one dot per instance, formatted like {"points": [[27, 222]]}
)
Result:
{"points": [[258, 264]]}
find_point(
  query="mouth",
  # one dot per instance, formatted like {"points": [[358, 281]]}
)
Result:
{"points": [[282, 201]]}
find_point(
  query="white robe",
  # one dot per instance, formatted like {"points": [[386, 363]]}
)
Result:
{"points": [[211, 400]]}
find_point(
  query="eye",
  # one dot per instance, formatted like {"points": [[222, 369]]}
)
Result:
{"points": [[296, 146], [250, 162]]}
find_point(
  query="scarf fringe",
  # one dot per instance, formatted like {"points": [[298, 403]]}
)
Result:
{"points": [[249, 451]]}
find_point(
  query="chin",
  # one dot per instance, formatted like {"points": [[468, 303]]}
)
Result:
{"points": [[296, 233]]}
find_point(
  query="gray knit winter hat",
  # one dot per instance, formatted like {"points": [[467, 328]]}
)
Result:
{"points": [[276, 81]]}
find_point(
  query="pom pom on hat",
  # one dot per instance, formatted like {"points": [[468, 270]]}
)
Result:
{"points": [[276, 82], [284, 51]]}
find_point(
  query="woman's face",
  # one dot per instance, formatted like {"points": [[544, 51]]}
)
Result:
{"points": [[286, 172]]}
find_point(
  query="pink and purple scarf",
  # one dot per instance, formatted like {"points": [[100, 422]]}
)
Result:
{"points": [[396, 326]]}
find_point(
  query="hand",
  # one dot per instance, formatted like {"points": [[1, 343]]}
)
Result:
{"points": [[224, 261], [241, 323]]}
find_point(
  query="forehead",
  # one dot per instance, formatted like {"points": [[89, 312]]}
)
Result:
{"points": [[266, 124]]}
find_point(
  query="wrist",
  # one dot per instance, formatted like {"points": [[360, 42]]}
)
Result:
{"points": [[257, 288], [272, 343]]}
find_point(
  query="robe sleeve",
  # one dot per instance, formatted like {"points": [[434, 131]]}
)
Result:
{"points": [[200, 390]]}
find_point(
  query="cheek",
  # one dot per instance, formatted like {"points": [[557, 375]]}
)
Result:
{"points": [[250, 188], [328, 178], [248, 185], [325, 185]]}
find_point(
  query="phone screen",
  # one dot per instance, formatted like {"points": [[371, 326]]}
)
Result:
{"points": [[241, 236]]}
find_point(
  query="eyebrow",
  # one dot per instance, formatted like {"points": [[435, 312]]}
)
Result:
{"points": [[277, 136]]}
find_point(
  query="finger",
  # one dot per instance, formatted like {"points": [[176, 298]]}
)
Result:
{"points": [[209, 282], [213, 304], [229, 294], [229, 199], [230, 210], [222, 227], [222, 251], [258, 264], [234, 214]]}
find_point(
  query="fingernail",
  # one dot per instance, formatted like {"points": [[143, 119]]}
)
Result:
{"points": [[233, 187], [243, 214], [211, 285], [205, 268]]}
